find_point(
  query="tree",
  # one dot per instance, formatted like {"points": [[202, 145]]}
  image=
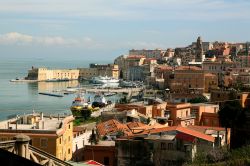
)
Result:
{"points": [[231, 114], [198, 100], [86, 114], [93, 138]]}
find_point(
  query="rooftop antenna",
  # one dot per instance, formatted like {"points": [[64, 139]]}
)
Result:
{"points": [[247, 51]]}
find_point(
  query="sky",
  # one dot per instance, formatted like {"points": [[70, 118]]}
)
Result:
{"points": [[105, 29]]}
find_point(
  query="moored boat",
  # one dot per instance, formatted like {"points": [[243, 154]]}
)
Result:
{"points": [[57, 80], [99, 101], [79, 105], [104, 80]]}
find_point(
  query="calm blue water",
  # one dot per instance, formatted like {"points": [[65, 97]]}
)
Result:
{"points": [[20, 98]]}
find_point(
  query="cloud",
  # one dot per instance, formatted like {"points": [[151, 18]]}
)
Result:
{"points": [[129, 9], [15, 38]]}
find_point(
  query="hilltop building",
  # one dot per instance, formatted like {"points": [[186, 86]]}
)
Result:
{"points": [[186, 79], [157, 53]]}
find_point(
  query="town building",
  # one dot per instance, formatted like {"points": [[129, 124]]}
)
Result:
{"points": [[220, 96], [48, 133], [95, 70], [112, 128], [157, 53], [198, 110], [144, 109], [179, 114], [218, 66], [103, 152], [81, 137], [121, 62], [219, 133], [186, 55], [43, 74], [163, 146], [186, 79]]}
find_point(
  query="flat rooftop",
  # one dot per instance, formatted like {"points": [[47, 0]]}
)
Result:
{"points": [[35, 121]]}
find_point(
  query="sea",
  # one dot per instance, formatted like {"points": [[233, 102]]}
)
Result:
{"points": [[19, 98]]}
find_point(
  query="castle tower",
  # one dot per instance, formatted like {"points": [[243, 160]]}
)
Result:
{"points": [[199, 50]]}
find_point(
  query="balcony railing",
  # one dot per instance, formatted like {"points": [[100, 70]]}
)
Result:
{"points": [[20, 146]]}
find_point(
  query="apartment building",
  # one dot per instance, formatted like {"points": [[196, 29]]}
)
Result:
{"points": [[49, 133]]}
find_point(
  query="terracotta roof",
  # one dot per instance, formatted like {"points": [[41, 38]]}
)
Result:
{"points": [[195, 133], [132, 125], [204, 128], [112, 126], [181, 129], [185, 137], [92, 162], [135, 56], [147, 127], [78, 129], [164, 67], [188, 68]]}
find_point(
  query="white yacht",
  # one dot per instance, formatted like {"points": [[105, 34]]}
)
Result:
{"points": [[104, 80], [99, 101]]}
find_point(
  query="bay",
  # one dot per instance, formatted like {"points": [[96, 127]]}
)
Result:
{"points": [[23, 98]]}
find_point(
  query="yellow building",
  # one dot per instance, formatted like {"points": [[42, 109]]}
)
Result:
{"points": [[43, 74], [51, 134], [115, 71]]}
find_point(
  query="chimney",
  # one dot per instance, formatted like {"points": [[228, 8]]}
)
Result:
{"points": [[58, 116], [37, 125], [42, 124], [8, 125], [41, 116], [16, 124]]}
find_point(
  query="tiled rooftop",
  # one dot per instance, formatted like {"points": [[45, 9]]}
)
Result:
{"points": [[181, 129]]}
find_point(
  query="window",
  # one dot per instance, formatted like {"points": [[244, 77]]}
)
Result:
{"points": [[170, 146], [163, 146], [43, 142], [69, 126], [3, 139], [69, 151], [60, 140], [214, 123], [106, 160]]}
